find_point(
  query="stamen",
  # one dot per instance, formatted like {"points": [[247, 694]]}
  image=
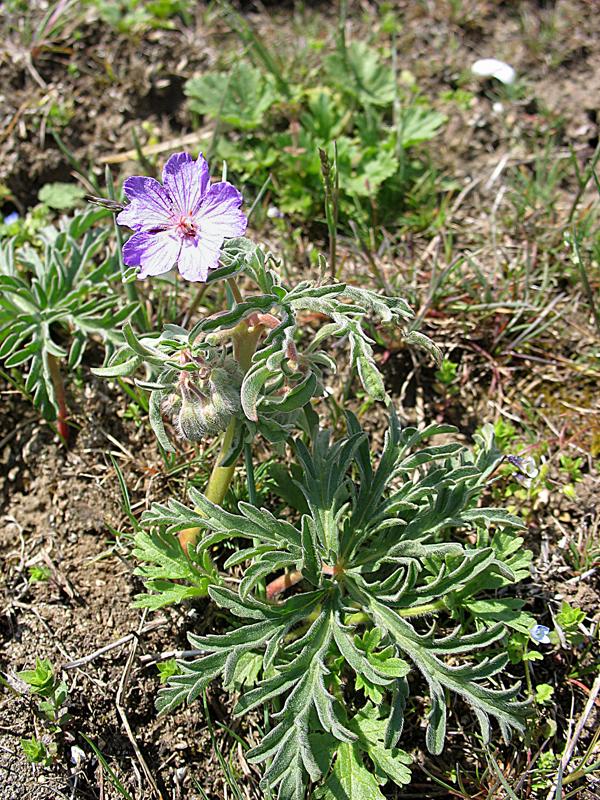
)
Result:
{"points": [[186, 226]]}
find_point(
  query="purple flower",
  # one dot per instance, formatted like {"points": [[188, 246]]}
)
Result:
{"points": [[539, 633], [184, 221]]}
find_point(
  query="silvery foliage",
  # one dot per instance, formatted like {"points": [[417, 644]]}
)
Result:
{"points": [[280, 380], [55, 298], [389, 549], [398, 533]]}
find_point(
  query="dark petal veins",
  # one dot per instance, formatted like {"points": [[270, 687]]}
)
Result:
{"points": [[150, 205], [186, 181]]}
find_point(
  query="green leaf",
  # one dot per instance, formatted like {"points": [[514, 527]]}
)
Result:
{"points": [[419, 124], [253, 382], [506, 610], [297, 397], [492, 516], [21, 356], [350, 779], [359, 70], [240, 97], [361, 354], [286, 486], [392, 762], [41, 679], [119, 368], [167, 669], [62, 196], [246, 672], [543, 693], [36, 751], [169, 574], [463, 680], [420, 340], [370, 173], [156, 421]]}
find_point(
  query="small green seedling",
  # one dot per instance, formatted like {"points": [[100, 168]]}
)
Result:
{"points": [[543, 694], [51, 692], [569, 618], [37, 752]]}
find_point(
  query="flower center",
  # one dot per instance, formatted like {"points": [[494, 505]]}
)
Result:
{"points": [[186, 226]]}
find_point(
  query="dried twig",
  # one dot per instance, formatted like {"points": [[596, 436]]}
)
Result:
{"points": [[154, 658], [154, 149], [119, 703], [570, 748], [157, 623]]}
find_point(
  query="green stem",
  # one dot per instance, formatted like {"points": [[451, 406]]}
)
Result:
{"points": [[251, 483], [217, 486], [527, 673], [237, 295], [418, 611], [221, 477], [245, 340], [580, 773]]}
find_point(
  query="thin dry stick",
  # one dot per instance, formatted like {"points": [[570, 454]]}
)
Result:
{"points": [[564, 762], [154, 149], [121, 709], [429, 250], [157, 623], [154, 658]]}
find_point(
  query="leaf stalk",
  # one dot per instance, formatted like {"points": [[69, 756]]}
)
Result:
{"points": [[59, 391]]}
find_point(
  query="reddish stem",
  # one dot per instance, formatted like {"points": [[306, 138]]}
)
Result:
{"points": [[59, 391], [282, 583], [288, 579]]}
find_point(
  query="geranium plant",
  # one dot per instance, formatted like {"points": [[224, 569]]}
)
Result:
{"points": [[369, 575]]}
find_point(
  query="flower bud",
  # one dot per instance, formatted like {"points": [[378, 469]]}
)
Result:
{"points": [[204, 406], [225, 383], [191, 421]]}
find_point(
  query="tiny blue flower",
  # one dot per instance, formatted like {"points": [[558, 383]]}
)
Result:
{"points": [[10, 218], [526, 467], [539, 633]]}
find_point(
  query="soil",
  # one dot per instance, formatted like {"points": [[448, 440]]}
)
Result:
{"points": [[62, 509]]}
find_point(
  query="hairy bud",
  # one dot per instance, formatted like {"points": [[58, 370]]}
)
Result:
{"points": [[204, 402]]}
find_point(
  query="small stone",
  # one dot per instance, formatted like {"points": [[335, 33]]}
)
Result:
{"points": [[181, 746]]}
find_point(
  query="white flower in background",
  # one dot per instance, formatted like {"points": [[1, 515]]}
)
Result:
{"points": [[492, 68]]}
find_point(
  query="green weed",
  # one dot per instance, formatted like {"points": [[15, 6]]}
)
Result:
{"points": [[271, 121]]}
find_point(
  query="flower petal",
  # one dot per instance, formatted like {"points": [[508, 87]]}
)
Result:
{"points": [[186, 181], [219, 214], [150, 205], [198, 256], [153, 253]]}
